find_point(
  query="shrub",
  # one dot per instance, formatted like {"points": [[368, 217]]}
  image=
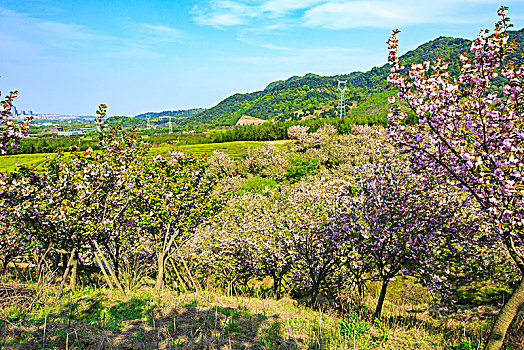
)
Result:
{"points": [[257, 184], [301, 167]]}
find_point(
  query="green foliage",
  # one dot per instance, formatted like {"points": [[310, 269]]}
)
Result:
{"points": [[181, 113], [351, 326], [273, 131], [51, 144], [467, 344], [301, 167], [314, 96], [483, 292], [257, 184], [10, 163]]}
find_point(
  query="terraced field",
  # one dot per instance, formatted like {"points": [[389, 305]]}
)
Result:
{"points": [[237, 149]]}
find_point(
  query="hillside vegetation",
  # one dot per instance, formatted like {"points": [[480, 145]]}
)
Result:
{"points": [[313, 96]]}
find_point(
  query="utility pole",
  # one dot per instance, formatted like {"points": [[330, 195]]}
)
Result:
{"points": [[342, 86]]}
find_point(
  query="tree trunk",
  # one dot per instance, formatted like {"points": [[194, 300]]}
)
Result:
{"points": [[276, 287], [195, 283], [102, 268], [64, 261], [175, 285], [66, 272], [111, 271], [117, 260], [86, 271], [55, 265], [159, 285], [314, 293], [505, 317], [183, 283], [383, 290], [5, 263], [74, 273]]}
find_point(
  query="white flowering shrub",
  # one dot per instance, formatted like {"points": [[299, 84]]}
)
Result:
{"points": [[221, 164], [267, 161]]}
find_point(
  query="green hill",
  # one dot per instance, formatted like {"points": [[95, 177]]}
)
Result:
{"points": [[315, 96], [181, 113]]}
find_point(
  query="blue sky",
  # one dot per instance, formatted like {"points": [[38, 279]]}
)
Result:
{"points": [[67, 56]]}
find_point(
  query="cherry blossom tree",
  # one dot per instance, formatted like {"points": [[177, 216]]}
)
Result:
{"points": [[17, 190], [283, 233], [11, 132], [398, 222], [471, 136], [81, 199], [175, 196], [267, 161]]}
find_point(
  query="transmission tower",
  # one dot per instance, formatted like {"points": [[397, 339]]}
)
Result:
{"points": [[342, 86], [170, 126], [148, 123]]}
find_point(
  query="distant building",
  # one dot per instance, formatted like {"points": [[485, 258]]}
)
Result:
{"points": [[88, 130], [14, 112], [70, 133]]}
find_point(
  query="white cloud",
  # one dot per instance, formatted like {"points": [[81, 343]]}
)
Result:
{"points": [[392, 13], [341, 14], [158, 33], [219, 20], [224, 13], [45, 36], [283, 7], [227, 13], [49, 33], [335, 15]]}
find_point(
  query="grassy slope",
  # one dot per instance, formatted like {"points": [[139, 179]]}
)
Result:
{"points": [[9, 163], [94, 318], [237, 149]]}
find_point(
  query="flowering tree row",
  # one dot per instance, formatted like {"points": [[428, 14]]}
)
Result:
{"points": [[116, 202], [321, 236]]}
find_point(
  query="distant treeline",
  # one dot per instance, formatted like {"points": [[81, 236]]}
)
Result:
{"points": [[271, 131], [51, 144]]}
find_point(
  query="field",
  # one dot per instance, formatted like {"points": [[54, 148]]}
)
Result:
{"points": [[9, 163], [236, 150]]}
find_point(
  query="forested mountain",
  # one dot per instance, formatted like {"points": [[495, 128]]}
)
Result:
{"points": [[314, 96]]}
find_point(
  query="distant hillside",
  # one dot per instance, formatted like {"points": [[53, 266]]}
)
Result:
{"points": [[181, 113], [314, 96]]}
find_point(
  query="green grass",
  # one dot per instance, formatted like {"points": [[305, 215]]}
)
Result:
{"points": [[237, 149], [9, 163], [140, 319]]}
